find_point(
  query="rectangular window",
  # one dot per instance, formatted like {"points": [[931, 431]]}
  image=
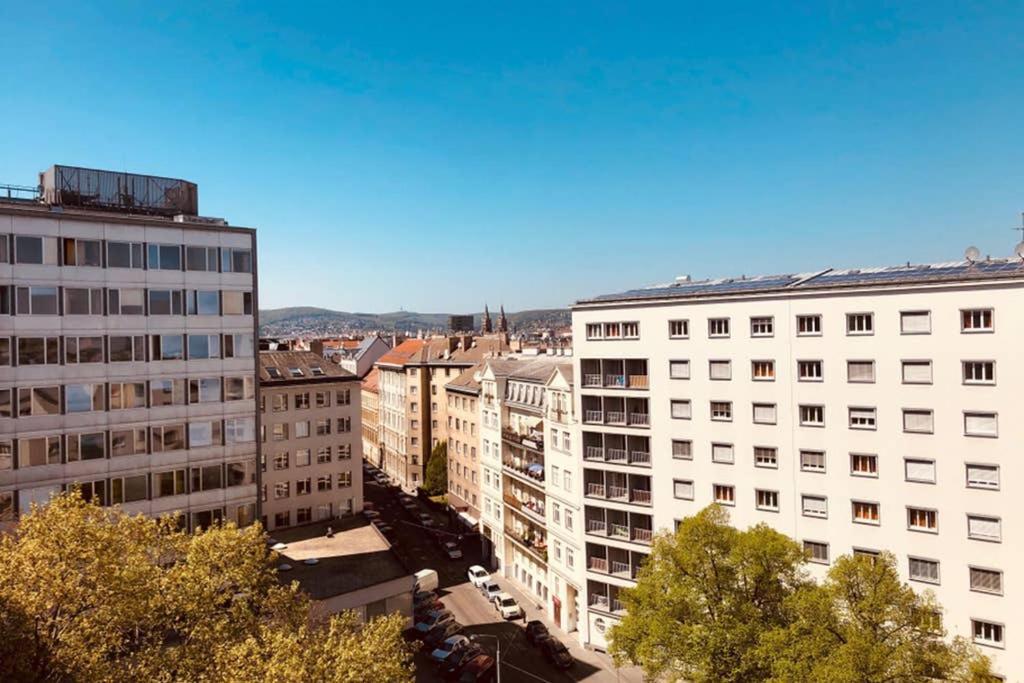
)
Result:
{"points": [[681, 409], [88, 446], [762, 326], [42, 450], [36, 250], [683, 489], [923, 570], [127, 395], [84, 398], [979, 371], [167, 438], [302, 429], [915, 322], [984, 528], [281, 490], [323, 455], [203, 302], [631, 330], [860, 371], [862, 418], [814, 506], [812, 416], [922, 519], [234, 260], [128, 489], [126, 301], [83, 301], [238, 346], [982, 476], [865, 512], [682, 449], [766, 456], [595, 331], [168, 347], [767, 500], [208, 478], [917, 372], [203, 346], [808, 325], [128, 441], [127, 349], [860, 323], [204, 390], [166, 392], [36, 300], [5, 249], [201, 259], [164, 256], [981, 424], [816, 552], [762, 370], [239, 430], [6, 406], [303, 487], [240, 303], [722, 453], [83, 350], [302, 401], [809, 370], [918, 421], [812, 461], [36, 401], [170, 483], [612, 331], [986, 580], [719, 369], [718, 327], [343, 397], [976, 320], [987, 633], [679, 369], [863, 465], [724, 494], [919, 470], [764, 413], [5, 351], [124, 255], [678, 329], [721, 411], [204, 434]]}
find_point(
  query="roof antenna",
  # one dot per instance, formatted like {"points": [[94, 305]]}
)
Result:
{"points": [[972, 254]]}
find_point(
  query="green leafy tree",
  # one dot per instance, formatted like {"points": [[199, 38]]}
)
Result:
{"points": [[95, 594], [704, 598], [435, 479], [863, 625]]}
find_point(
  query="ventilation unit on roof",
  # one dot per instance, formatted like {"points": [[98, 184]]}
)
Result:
{"points": [[683, 278]]}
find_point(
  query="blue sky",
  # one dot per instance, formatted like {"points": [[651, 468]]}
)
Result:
{"points": [[435, 156]]}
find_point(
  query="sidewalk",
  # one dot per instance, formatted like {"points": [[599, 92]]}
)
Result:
{"points": [[607, 674]]}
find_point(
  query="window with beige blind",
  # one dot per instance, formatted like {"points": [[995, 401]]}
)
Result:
{"points": [[764, 413], [984, 528], [862, 418], [722, 453], [917, 371], [918, 421], [860, 371], [915, 322], [720, 369], [920, 470], [679, 369], [981, 424]]}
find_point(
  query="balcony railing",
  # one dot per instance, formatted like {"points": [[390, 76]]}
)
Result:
{"points": [[533, 476], [618, 381], [599, 601], [595, 490], [641, 496], [620, 568], [640, 457], [642, 535], [616, 455], [640, 419], [593, 453], [619, 531], [532, 441], [615, 417], [591, 380], [617, 606], [616, 492], [598, 564], [638, 382], [593, 416], [596, 526], [537, 547]]}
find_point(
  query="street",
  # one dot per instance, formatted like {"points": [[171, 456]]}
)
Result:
{"points": [[520, 661]]}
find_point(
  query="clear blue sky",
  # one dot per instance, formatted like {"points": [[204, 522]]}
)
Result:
{"points": [[435, 156]]}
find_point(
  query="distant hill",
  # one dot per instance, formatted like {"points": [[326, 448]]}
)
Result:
{"points": [[308, 319]]}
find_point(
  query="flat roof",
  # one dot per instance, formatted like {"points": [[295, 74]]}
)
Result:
{"points": [[39, 209], [829, 278], [356, 557]]}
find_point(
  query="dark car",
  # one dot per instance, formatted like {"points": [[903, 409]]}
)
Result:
{"points": [[536, 631], [422, 609], [556, 653], [439, 634], [453, 665], [480, 669]]}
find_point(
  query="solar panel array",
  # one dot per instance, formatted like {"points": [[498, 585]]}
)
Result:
{"points": [[939, 272]]}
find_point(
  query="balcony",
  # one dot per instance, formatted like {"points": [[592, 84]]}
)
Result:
{"points": [[638, 382], [597, 564], [617, 606], [615, 417], [593, 416], [639, 420], [593, 453], [615, 381], [642, 535], [592, 380], [538, 548], [639, 458], [530, 509], [619, 531], [616, 455], [595, 490], [530, 473], [534, 442], [641, 496], [617, 493], [601, 602], [597, 526], [620, 568]]}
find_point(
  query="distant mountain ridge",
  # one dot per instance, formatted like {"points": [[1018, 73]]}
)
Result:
{"points": [[307, 319]]}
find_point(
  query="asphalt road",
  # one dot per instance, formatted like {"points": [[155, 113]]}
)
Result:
{"points": [[520, 661]]}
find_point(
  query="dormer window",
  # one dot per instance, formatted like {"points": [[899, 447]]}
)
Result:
{"points": [[317, 372], [295, 372], [274, 373]]}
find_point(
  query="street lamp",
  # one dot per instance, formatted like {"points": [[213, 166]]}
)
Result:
{"points": [[497, 641]]}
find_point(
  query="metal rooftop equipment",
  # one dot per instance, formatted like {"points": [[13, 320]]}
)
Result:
{"points": [[88, 188]]}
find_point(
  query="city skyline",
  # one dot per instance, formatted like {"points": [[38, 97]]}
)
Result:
{"points": [[581, 150]]}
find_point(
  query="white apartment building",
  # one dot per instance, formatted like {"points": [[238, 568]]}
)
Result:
{"points": [[855, 410], [127, 364]]}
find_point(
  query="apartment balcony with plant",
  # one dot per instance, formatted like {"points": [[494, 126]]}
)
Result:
{"points": [[527, 536], [619, 449], [525, 501], [615, 373]]}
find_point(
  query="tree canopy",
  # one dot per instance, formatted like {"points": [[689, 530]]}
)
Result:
{"points": [[435, 479], [714, 603], [94, 594]]}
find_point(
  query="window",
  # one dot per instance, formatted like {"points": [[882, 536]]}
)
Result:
{"points": [[205, 433], [83, 301], [323, 427], [37, 300], [203, 302], [767, 500], [860, 371], [721, 411], [5, 250], [919, 470], [170, 483], [863, 465], [238, 346], [812, 416], [722, 452], [240, 303], [631, 330], [679, 369], [764, 413], [918, 421], [6, 406], [302, 429], [345, 479], [303, 487], [38, 401], [982, 476], [976, 320], [682, 450], [168, 438], [724, 494], [35, 250], [986, 580], [84, 398], [595, 331], [719, 369], [809, 370], [203, 346], [981, 424], [766, 456], [281, 461], [812, 461], [922, 519], [680, 409], [239, 430], [166, 392], [201, 259], [860, 323], [83, 350], [323, 455], [164, 256], [683, 489], [282, 489], [762, 370], [127, 349], [917, 372], [718, 327], [5, 351], [763, 326], [233, 260], [204, 390], [124, 255], [127, 395], [207, 478], [808, 325], [816, 552], [979, 371], [302, 401], [984, 528], [814, 506], [678, 329], [168, 347], [923, 570], [126, 301], [38, 451], [89, 446], [987, 633], [128, 441], [862, 418], [915, 322], [343, 397], [128, 489], [864, 512]]}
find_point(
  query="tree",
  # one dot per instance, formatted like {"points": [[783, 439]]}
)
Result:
{"points": [[435, 479], [863, 625], [703, 599], [95, 594]]}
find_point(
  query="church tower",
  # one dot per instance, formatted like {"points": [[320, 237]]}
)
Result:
{"points": [[487, 328], [502, 321]]}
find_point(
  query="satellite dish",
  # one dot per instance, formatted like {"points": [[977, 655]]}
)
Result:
{"points": [[972, 254], [1019, 249]]}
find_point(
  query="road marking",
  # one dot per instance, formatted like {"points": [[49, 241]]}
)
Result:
{"points": [[524, 671]]}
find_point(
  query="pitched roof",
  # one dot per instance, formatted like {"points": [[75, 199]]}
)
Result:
{"points": [[293, 367], [402, 354], [372, 380], [537, 369], [466, 381]]}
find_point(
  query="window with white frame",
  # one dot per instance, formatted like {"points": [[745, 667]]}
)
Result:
{"points": [[979, 371], [678, 329], [631, 330], [987, 633], [766, 456], [976, 320], [724, 494], [764, 413], [808, 325], [984, 528], [124, 255], [862, 418], [922, 519], [809, 370], [82, 252], [982, 476], [722, 453], [766, 500], [721, 411], [860, 323], [860, 371], [816, 552], [720, 369], [595, 331], [920, 470], [718, 327], [917, 371], [915, 322], [682, 449], [679, 369], [918, 421], [681, 409], [812, 461], [762, 370], [981, 424], [865, 512], [863, 464], [986, 580], [814, 506], [683, 489], [762, 326], [923, 570], [812, 416]]}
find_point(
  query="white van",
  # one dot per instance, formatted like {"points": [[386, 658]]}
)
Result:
{"points": [[426, 580]]}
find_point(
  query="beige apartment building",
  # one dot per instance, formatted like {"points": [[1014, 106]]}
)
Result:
{"points": [[370, 408], [857, 411], [127, 364], [312, 441], [462, 398]]}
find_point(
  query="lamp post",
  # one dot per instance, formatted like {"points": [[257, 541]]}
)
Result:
{"points": [[497, 645]]}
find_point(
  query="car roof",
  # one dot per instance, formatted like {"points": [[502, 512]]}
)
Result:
{"points": [[478, 663], [503, 595], [536, 622], [477, 568]]}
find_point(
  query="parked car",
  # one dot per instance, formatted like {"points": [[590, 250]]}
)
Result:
{"points": [[490, 590], [423, 608], [556, 653], [507, 606], [426, 580], [536, 631], [480, 669], [453, 665], [452, 550], [433, 618], [439, 634], [449, 647], [426, 520], [422, 598], [478, 576]]}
